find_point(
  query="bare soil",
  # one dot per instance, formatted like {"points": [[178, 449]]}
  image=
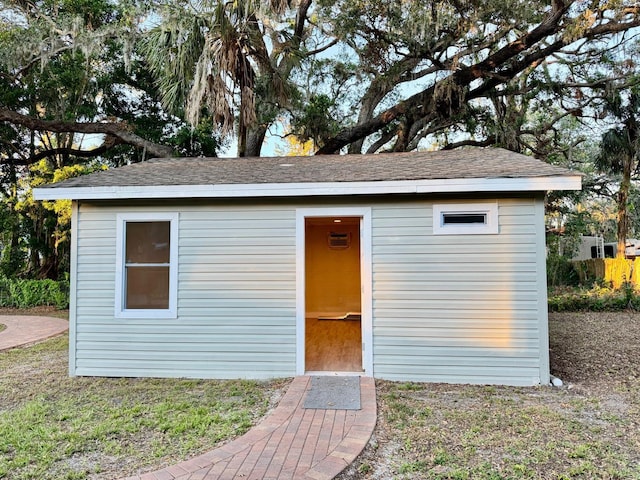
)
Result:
{"points": [[589, 428], [595, 350]]}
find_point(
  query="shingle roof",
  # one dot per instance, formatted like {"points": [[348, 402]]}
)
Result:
{"points": [[455, 164]]}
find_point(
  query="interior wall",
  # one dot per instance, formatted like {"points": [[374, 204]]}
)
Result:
{"points": [[332, 275]]}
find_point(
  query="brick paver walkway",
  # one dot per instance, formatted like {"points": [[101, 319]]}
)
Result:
{"points": [[24, 329], [291, 443]]}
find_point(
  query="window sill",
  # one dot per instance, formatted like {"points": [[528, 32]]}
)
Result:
{"points": [[142, 313]]}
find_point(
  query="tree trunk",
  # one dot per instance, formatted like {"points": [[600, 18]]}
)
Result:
{"points": [[11, 256], [370, 101], [254, 140], [242, 137], [623, 200]]}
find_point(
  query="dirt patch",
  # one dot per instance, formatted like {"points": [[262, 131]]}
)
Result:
{"points": [[589, 428], [598, 349]]}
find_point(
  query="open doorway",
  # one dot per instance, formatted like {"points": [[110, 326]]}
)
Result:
{"points": [[333, 294]]}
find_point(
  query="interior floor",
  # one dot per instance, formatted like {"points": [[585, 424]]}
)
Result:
{"points": [[333, 345]]}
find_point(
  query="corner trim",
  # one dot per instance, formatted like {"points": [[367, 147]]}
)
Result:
{"points": [[73, 284]]}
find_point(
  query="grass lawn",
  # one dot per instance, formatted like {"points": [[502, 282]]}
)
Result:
{"points": [[56, 427], [587, 429], [52, 426]]}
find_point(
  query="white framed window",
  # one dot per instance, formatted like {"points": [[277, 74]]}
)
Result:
{"points": [[465, 218], [146, 265]]}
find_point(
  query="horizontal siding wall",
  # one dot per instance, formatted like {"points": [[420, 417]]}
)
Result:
{"points": [[236, 297], [446, 308], [456, 308]]}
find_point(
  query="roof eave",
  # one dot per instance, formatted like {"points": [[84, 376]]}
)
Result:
{"points": [[462, 185]]}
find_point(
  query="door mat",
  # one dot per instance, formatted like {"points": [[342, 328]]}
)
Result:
{"points": [[333, 393]]}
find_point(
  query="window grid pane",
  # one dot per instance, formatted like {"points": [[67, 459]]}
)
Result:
{"points": [[147, 287], [148, 242], [464, 218]]}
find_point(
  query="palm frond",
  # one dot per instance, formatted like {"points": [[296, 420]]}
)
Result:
{"points": [[171, 50]]}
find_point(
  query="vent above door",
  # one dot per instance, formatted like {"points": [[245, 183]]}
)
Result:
{"points": [[338, 240]]}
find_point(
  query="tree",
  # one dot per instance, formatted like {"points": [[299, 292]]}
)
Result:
{"points": [[465, 59], [389, 74], [620, 152], [64, 74], [222, 58], [70, 69], [51, 54]]}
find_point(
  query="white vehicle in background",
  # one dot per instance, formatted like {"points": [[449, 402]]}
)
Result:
{"points": [[595, 247]]}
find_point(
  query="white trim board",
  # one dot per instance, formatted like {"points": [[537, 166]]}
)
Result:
{"points": [[462, 185], [541, 278], [119, 309], [488, 209], [73, 289]]}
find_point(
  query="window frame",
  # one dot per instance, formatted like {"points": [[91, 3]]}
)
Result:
{"points": [[488, 209], [120, 295]]}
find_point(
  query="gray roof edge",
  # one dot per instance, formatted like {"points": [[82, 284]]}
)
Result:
{"points": [[410, 166]]}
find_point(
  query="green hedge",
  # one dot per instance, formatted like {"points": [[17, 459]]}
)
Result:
{"points": [[596, 299], [33, 293]]}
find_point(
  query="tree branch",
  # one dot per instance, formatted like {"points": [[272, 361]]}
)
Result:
{"points": [[469, 143], [461, 78], [301, 18], [118, 130], [109, 143], [510, 58], [321, 49]]}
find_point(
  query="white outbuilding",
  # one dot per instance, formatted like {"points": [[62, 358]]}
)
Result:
{"points": [[426, 266]]}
